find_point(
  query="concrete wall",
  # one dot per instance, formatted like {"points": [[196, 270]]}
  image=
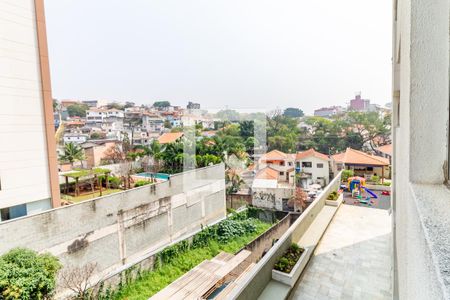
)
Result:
{"points": [[257, 279], [420, 161], [24, 167], [271, 198], [121, 229]]}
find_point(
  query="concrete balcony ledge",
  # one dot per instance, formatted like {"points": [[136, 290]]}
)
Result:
{"points": [[433, 209]]}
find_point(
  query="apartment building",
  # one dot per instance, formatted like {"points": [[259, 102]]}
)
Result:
{"points": [[421, 199], [28, 163]]}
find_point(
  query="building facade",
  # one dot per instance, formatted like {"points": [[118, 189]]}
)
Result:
{"points": [[28, 163], [421, 198]]}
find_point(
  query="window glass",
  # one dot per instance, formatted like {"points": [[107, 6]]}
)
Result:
{"points": [[306, 164], [319, 165]]}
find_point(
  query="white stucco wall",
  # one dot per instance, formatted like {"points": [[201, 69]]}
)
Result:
{"points": [[316, 172], [23, 159], [420, 129]]}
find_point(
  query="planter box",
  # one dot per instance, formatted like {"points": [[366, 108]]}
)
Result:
{"points": [[291, 278], [335, 202]]}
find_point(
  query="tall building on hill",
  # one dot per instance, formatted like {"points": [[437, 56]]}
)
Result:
{"points": [[359, 104], [28, 163]]}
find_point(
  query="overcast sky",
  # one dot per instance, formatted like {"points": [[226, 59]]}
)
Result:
{"points": [[236, 53]]}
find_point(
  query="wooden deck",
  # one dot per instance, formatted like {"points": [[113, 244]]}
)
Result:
{"points": [[204, 278]]}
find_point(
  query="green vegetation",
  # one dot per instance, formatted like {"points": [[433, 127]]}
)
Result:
{"points": [[375, 179], [27, 275], [72, 153], [346, 174], [293, 112], [387, 183], [229, 235], [334, 195], [84, 173], [287, 262], [161, 104], [141, 183], [77, 110]]}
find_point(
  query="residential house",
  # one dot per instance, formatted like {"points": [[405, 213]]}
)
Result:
{"points": [[95, 103], [280, 161], [96, 116], [95, 152], [67, 102], [170, 137], [385, 151], [312, 167], [152, 122], [75, 137], [362, 164], [328, 112], [270, 190]]}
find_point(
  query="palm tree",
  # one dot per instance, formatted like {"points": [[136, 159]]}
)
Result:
{"points": [[234, 182], [153, 151], [72, 153]]}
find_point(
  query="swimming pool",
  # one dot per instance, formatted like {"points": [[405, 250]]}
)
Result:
{"points": [[160, 176]]}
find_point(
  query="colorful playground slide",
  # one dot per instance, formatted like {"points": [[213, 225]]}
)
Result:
{"points": [[370, 192]]}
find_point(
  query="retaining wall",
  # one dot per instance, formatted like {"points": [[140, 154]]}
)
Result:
{"points": [[122, 229]]}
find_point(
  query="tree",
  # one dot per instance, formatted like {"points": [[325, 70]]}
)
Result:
{"points": [[233, 181], [25, 274], [161, 104], [72, 153], [167, 124], [114, 154], [77, 278], [77, 110], [228, 115], [292, 112], [97, 135], [154, 152], [282, 132], [129, 104], [298, 200], [115, 105], [247, 129]]}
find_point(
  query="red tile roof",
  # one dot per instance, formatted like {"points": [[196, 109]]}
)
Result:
{"points": [[169, 137], [267, 173], [311, 152], [352, 156], [274, 155], [386, 149]]}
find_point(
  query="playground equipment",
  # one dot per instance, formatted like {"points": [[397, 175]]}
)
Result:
{"points": [[354, 186], [370, 192]]}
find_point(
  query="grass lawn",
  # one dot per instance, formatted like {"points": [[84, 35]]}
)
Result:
{"points": [[152, 282], [90, 196]]}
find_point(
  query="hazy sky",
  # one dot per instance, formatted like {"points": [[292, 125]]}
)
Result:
{"points": [[235, 53]]}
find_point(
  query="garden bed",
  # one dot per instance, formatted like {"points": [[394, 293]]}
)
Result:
{"points": [[289, 267], [229, 235], [334, 198]]}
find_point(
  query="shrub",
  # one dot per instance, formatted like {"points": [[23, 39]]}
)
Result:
{"points": [[375, 178], [141, 183], [346, 174], [333, 196], [25, 274], [387, 183], [287, 262]]}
